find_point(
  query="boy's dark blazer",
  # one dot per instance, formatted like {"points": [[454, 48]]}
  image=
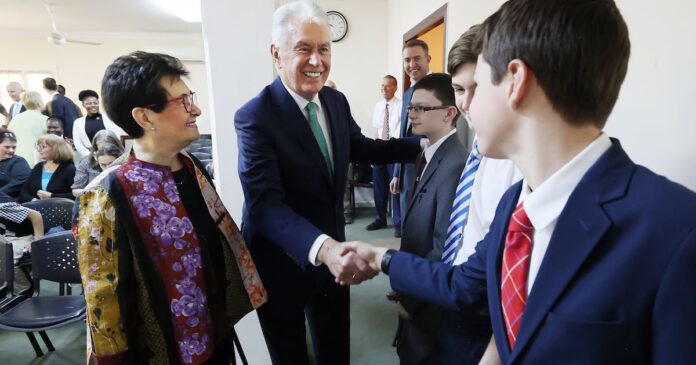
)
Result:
{"points": [[616, 285]]}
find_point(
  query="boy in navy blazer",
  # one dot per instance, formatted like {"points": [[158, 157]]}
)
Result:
{"points": [[590, 259]]}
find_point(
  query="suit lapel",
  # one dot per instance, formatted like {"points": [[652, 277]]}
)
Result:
{"points": [[405, 123], [580, 227], [340, 157], [297, 127], [432, 167]]}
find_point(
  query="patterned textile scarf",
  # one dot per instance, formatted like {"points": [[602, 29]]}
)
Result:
{"points": [[173, 246]]}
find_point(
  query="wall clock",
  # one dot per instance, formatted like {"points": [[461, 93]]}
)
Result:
{"points": [[338, 25]]}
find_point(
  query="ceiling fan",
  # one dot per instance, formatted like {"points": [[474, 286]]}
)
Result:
{"points": [[57, 38]]}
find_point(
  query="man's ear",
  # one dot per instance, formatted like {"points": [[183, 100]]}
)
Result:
{"points": [[141, 117], [275, 55], [452, 113], [519, 82]]}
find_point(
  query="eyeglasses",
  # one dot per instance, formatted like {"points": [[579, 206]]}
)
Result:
{"points": [[187, 100], [417, 109], [7, 134]]}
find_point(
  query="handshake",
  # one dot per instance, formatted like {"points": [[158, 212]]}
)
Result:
{"points": [[351, 262]]}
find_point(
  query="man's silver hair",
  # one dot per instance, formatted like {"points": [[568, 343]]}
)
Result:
{"points": [[288, 18]]}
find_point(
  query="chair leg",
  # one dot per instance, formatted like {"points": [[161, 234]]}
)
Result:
{"points": [[34, 344], [47, 341]]}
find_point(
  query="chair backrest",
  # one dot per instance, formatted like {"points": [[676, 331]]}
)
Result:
{"points": [[6, 268], [54, 258], [205, 142], [201, 155], [55, 212], [206, 149]]}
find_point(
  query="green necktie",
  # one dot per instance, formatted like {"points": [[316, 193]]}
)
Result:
{"points": [[318, 134]]}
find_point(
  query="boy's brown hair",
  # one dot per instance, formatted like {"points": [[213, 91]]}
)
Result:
{"points": [[465, 49], [577, 49]]}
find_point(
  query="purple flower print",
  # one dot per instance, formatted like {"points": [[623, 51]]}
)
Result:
{"points": [[180, 244], [192, 346], [170, 191], [151, 179], [191, 262], [169, 230], [177, 266], [142, 204]]}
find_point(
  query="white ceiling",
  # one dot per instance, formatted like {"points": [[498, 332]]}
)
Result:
{"points": [[30, 17]]}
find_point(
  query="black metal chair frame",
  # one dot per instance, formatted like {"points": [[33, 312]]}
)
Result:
{"points": [[54, 258]]}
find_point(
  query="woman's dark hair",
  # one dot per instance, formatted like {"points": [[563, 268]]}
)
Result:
{"points": [[132, 81], [6, 135], [84, 94]]}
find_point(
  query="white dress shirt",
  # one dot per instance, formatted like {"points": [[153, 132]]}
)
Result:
{"points": [[429, 151], [15, 109], [545, 204], [394, 117], [492, 180], [321, 116]]}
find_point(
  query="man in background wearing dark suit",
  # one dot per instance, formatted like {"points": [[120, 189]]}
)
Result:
{"points": [[416, 65], [433, 114], [295, 140], [61, 106]]}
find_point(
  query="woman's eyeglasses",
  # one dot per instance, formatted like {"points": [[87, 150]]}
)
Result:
{"points": [[187, 100]]}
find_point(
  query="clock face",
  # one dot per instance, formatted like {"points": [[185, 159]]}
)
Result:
{"points": [[338, 25]]}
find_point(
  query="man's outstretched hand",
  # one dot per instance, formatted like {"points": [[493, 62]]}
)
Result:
{"points": [[346, 265]]}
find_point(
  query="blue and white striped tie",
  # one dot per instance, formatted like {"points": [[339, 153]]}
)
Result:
{"points": [[460, 206]]}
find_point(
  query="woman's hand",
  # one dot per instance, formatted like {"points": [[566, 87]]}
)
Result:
{"points": [[42, 194]]}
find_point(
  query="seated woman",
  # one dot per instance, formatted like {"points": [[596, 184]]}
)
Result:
{"points": [[14, 170], [85, 128], [52, 177], [163, 264], [107, 147], [28, 126]]}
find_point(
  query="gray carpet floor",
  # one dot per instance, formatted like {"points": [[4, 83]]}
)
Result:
{"points": [[373, 318]]}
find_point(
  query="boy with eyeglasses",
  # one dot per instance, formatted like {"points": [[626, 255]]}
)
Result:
{"points": [[433, 114]]}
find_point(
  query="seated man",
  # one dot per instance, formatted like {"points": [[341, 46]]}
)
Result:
{"points": [[17, 223], [433, 114]]}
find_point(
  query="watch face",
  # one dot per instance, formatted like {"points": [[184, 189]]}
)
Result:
{"points": [[338, 25]]}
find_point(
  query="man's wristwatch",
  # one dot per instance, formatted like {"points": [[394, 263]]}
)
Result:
{"points": [[386, 260]]}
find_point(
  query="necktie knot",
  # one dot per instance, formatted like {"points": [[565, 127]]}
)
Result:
{"points": [[519, 221], [312, 108]]}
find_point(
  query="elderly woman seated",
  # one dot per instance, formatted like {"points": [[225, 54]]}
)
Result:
{"points": [[106, 147]]}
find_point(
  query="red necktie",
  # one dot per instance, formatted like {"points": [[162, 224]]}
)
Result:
{"points": [[513, 289]]}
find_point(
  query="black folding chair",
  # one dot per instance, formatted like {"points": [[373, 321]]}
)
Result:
{"points": [[56, 212], [7, 298], [54, 258]]}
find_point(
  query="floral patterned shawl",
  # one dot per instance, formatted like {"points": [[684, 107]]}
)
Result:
{"points": [[142, 270]]}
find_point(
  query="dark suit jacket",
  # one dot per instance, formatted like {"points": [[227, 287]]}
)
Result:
{"points": [[424, 233], [64, 108], [59, 185], [22, 109], [13, 173], [290, 197], [405, 171], [616, 285]]}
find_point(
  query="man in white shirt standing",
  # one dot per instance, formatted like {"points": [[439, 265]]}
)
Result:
{"points": [[386, 118]]}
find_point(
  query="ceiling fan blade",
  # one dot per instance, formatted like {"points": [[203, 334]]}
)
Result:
{"points": [[50, 8], [83, 42]]}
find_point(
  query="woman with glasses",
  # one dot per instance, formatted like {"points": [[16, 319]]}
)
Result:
{"points": [[164, 267], [29, 126], [85, 128], [52, 177], [14, 170], [105, 146]]}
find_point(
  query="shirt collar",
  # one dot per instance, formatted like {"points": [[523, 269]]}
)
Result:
{"points": [[430, 150], [545, 204], [300, 100]]}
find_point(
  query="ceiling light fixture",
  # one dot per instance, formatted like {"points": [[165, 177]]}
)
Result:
{"points": [[188, 10]]}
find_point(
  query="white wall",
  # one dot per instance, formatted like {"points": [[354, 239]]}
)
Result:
{"points": [[80, 67], [653, 117]]}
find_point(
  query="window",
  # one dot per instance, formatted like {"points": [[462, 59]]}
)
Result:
{"points": [[30, 80]]}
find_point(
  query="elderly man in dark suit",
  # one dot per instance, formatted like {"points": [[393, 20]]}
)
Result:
{"points": [[296, 139]]}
